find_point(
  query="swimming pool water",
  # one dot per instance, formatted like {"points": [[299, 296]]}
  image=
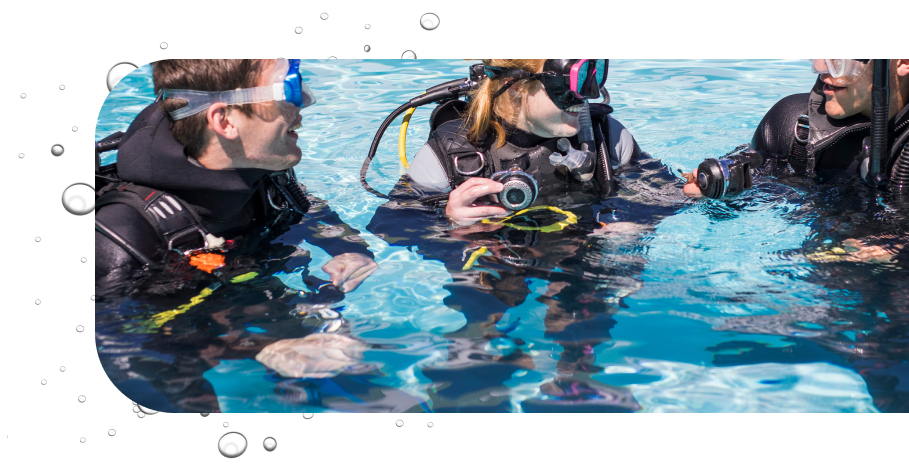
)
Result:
{"points": [[729, 315]]}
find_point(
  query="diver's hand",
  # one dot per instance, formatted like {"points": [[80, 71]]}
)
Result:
{"points": [[859, 251], [691, 187], [462, 206], [348, 270]]}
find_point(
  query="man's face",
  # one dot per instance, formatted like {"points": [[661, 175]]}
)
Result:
{"points": [[267, 138], [855, 98]]}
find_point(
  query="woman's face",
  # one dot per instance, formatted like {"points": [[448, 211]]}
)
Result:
{"points": [[538, 115]]}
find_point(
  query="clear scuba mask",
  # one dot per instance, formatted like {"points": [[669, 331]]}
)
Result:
{"points": [[843, 72], [286, 89], [567, 82]]}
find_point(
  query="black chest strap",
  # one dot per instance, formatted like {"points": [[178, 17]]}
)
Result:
{"points": [[177, 225]]}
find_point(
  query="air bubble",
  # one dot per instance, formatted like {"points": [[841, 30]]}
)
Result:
{"points": [[93, 298], [135, 408], [269, 444], [81, 398], [298, 30], [79, 199], [366, 48], [62, 87], [399, 423], [408, 54], [147, 410], [37, 239], [140, 414], [118, 72], [84, 260], [57, 150], [81, 440], [367, 26], [112, 432], [62, 368], [79, 329], [332, 57], [429, 21], [226, 424], [21, 155], [37, 302], [204, 414], [429, 425], [163, 45], [324, 16], [75, 128], [232, 445], [22, 95], [43, 382], [307, 416]]}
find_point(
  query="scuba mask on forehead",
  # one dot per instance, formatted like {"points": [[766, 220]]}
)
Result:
{"points": [[286, 89], [567, 82]]}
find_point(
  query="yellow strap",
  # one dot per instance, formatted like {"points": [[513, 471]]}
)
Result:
{"points": [[402, 152], [473, 257], [165, 316], [244, 277], [159, 319], [570, 219]]}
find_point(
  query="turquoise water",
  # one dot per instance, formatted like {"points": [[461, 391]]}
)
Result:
{"points": [[726, 314]]}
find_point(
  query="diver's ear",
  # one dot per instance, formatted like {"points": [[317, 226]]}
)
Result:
{"points": [[220, 122], [902, 67]]}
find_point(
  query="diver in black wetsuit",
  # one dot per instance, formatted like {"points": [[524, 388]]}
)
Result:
{"points": [[521, 145], [825, 136], [194, 172], [202, 185], [822, 142]]}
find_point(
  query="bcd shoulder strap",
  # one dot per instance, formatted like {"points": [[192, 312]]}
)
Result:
{"points": [[175, 222], [798, 148]]}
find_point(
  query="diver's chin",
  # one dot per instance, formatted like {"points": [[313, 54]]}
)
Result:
{"points": [[833, 109]]}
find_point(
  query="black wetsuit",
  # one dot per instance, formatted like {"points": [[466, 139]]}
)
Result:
{"points": [[231, 203], [588, 276], [871, 332], [153, 341], [831, 146]]}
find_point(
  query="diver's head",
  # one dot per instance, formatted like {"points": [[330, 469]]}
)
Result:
{"points": [[235, 113], [848, 83], [538, 96]]}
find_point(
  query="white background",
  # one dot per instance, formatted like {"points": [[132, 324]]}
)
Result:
{"points": [[47, 44]]}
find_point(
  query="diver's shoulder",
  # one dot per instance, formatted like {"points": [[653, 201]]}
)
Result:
{"points": [[127, 223], [775, 131], [450, 128], [789, 107]]}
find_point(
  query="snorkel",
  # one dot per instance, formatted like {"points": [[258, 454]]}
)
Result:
{"points": [[880, 106]]}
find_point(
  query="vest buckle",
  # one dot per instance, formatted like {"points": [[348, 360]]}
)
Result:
{"points": [[472, 172], [174, 238], [800, 123]]}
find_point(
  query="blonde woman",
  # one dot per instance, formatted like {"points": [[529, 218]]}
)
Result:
{"points": [[529, 138], [517, 115]]}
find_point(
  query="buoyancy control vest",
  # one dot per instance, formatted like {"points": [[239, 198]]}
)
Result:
{"points": [[818, 142], [462, 160]]}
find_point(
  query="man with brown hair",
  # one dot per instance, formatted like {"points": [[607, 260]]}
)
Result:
{"points": [[210, 166]]}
